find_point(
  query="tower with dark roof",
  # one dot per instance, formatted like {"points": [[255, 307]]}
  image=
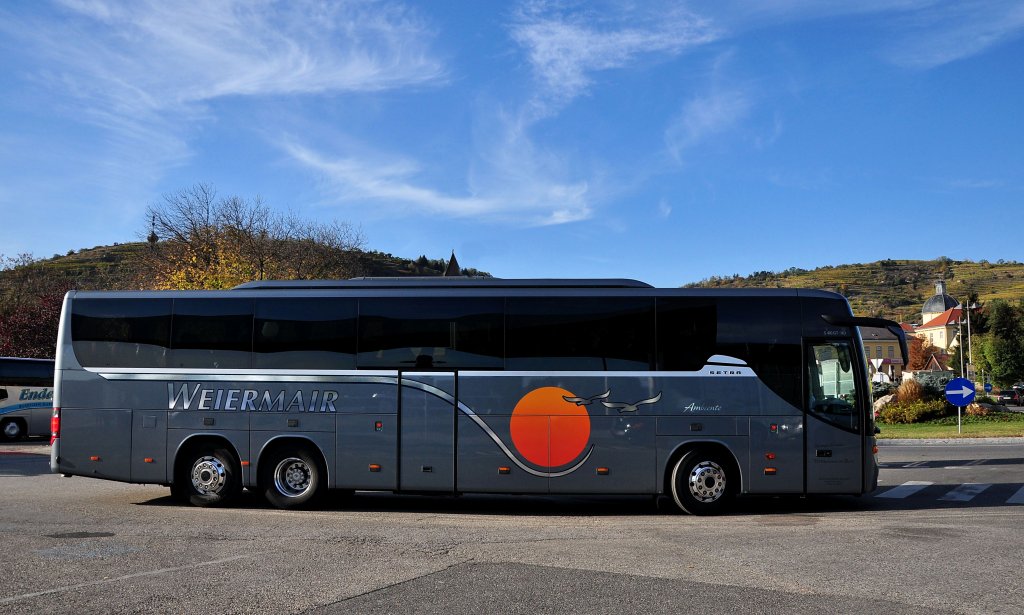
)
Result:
{"points": [[937, 303], [452, 269]]}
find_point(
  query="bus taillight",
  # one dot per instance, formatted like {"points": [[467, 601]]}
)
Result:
{"points": [[55, 425]]}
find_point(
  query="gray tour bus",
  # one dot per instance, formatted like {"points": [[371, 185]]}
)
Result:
{"points": [[26, 397], [453, 386]]}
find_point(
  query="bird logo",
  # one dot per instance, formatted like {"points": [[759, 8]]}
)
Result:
{"points": [[586, 401], [623, 407]]}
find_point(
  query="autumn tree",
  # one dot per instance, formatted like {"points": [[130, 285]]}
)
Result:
{"points": [[921, 352], [31, 297], [30, 329], [198, 240]]}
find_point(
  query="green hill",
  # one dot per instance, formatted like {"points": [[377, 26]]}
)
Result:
{"points": [[890, 288], [893, 288], [118, 267]]}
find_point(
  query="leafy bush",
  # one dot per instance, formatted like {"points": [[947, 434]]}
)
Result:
{"points": [[976, 409], [934, 383], [912, 412], [909, 391], [881, 389]]}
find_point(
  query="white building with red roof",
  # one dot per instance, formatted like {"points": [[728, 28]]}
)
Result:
{"points": [[942, 331]]}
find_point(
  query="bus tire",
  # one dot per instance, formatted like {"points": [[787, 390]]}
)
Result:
{"points": [[292, 478], [702, 482], [208, 477], [179, 492], [12, 429]]}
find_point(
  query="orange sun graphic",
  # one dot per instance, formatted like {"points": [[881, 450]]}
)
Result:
{"points": [[547, 430]]}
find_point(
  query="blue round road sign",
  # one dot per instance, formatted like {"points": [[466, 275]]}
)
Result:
{"points": [[988, 387], [960, 392]]}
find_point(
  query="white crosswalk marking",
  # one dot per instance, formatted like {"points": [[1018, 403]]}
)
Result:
{"points": [[1017, 498], [965, 492], [908, 488]]}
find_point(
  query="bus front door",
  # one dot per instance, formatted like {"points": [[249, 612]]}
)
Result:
{"points": [[834, 424], [427, 441]]}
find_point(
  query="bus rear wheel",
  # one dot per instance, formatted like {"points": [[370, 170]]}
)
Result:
{"points": [[13, 429], [208, 477], [292, 478], [702, 483]]}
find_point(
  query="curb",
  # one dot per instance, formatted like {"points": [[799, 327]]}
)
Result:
{"points": [[947, 441]]}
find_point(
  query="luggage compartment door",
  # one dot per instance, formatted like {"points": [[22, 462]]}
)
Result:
{"points": [[427, 441]]}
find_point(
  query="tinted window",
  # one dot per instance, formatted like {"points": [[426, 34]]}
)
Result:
{"points": [[580, 333], [314, 333], [687, 330], [26, 372], [121, 332], [211, 333], [426, 333], [765, 334]]}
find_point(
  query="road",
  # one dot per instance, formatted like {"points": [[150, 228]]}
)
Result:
{"points": [[941, 535]]}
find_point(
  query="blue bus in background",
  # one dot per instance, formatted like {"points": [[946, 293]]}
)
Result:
{"points": [[26, 397]]}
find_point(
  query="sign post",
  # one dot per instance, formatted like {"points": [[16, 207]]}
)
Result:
{"points": [[877, 364], [960, 393]]}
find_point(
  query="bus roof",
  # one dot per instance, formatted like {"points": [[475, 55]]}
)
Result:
{"points": [[442, 282]]}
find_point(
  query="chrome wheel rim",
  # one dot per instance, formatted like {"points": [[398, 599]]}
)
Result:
{"points": [[12, 429], [209, 475], [707, 481], [292, 477]]}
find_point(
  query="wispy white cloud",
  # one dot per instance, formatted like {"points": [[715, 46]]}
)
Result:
{"points": [[146, 71], [704, 116], [365, 177], [156, 54], [923, 34], [954, 31], [520, 194], [566, 44]]}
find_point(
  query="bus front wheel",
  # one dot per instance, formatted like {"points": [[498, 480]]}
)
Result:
{"points": [[702, 482], [292, 478], [208, 477]]}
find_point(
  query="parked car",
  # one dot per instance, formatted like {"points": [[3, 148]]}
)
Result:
{"points": [[1011, 396]]}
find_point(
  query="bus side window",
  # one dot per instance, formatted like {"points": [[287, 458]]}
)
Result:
{"points": [[121, 332], [603, 334], [211, 333], [3, 393], [305, 333]]}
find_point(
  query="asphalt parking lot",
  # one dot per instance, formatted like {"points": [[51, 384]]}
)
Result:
{"points": [[947, 538]]}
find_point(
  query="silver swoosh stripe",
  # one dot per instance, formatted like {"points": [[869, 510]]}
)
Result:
{"points": [[497, 440], [349, 378]]}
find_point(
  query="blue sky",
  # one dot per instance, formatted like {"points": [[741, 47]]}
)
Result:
{"points": [[664, 141]]}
